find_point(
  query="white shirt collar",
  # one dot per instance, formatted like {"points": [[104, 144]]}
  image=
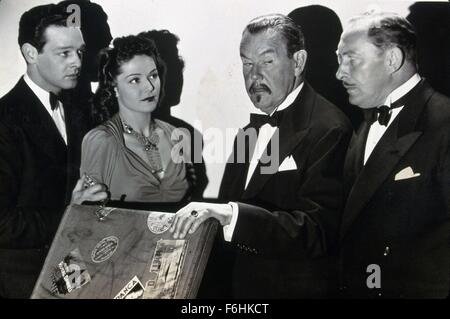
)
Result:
{"points": [[41, 94], [287, 101], [377, 130], [402, 89], [57, 115]]}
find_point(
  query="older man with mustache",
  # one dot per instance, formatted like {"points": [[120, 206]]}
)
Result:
{"points": [[285, 186], [395, 230]]}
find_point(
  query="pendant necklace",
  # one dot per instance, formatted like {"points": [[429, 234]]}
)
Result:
{"points": [[150, 145]]}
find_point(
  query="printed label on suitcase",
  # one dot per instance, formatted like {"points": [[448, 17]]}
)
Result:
{"points": [[104, 249], [158, 222], [165, 269], [70, 274], [132, 290]]}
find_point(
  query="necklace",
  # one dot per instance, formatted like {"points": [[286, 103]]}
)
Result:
{"points": [[150, 145]]}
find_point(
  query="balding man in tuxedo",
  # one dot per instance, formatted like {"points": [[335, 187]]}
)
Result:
{"points": [[395, 232], [285, 186]]}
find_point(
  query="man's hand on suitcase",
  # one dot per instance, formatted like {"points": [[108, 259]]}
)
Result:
{"points": [[190, 217]]}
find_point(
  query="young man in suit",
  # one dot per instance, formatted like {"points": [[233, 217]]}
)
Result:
{"points": [[395, 231], [284, 217], [40, 141]]}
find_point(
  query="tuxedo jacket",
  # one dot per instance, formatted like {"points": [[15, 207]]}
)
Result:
{"points": [[289, 219], [397, 213], [37, 173]]}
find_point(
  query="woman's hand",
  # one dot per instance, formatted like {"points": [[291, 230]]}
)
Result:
{"points": [[190, 217], [88, 190]]}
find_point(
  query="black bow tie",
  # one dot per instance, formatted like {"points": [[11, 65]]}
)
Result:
{"points": [[54, 101], [382, 113], [258, 120]]}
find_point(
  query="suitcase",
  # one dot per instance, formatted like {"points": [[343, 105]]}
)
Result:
{"points": [[123, 254]]}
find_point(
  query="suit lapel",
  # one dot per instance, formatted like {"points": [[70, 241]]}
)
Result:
{"points": [[235, 174], [293, 128], [378, 168], [73, 120], [353, 159], [37, 123], [397, 140]]}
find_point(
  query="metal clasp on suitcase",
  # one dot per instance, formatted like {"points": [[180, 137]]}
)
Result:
{"points": [[102, 212]]}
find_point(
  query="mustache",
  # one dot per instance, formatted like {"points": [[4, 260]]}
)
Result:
{"points": [[259, 87]]}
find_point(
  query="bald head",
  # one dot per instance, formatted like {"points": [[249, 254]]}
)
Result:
{"points": [[386, 30], [376, 54]]}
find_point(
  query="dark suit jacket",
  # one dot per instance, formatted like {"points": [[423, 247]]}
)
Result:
{"points": [[289, 219], [403, 226], [37, 173]]}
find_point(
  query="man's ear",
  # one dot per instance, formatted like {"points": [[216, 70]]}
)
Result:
{"points": [[300, 61], [395, 59], [29, 52]]}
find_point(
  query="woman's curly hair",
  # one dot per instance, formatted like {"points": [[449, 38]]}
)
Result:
{"points": [[104, 103]]}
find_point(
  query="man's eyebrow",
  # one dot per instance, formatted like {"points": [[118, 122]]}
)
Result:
{"points": [[267, 51], [69, 47], [64, 48], [347, 52]]}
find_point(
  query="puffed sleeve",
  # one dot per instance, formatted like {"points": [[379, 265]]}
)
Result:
{"points": [[99, 155]]}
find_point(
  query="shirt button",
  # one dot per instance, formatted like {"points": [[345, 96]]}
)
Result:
{"points": [[387, 250]]}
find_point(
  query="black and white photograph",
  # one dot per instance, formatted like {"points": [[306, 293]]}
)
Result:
{"points": [[301, 148]]}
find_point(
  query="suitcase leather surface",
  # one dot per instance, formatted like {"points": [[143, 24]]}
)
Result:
{"points": [[129, 254]]}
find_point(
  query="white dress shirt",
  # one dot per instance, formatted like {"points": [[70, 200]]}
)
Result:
{"points": [[265, 134], [377, 130], [57, 114]]}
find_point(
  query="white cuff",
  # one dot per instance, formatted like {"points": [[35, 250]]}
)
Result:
{"points": [[228, 230]]}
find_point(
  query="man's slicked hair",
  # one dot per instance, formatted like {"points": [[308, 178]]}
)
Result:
{"points": [[35, 21], [282, 24], [387, 30]]}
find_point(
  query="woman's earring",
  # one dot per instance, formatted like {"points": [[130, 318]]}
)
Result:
{"points": [[117, 93]]}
